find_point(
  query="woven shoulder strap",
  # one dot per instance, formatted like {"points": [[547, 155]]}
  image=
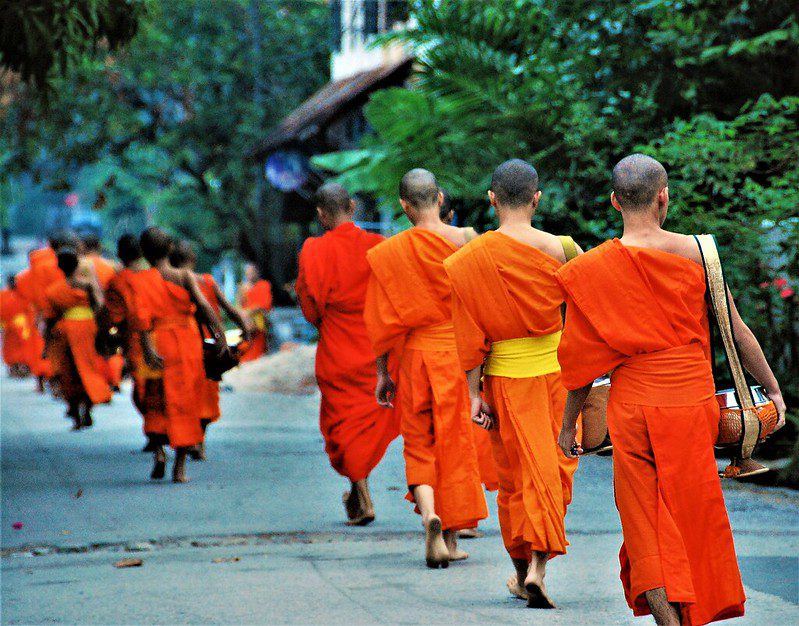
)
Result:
{"points": [[569, 247], [717, 291]]}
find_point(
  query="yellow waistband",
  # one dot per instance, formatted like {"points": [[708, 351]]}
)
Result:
{"points": [[524, 357], [78, 313]]}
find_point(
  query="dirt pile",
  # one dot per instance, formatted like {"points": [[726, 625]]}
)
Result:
{"points": [[289, 371]]}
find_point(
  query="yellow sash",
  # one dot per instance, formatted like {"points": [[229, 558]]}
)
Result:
{"points": [[78, 313], [524, 357]]}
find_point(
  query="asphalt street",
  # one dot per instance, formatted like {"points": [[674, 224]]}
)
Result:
{"points": [[258, 536]]}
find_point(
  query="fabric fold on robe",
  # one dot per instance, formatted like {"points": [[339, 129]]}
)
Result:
{"points": [[498, 273], [75, 361], [209, 409], [168, 312], [642, 313], [257, 300], [408, 311], [331, 288]]}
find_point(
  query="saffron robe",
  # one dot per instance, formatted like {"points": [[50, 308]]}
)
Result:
{"points": [[75, 361], [408, 310], [331, 288], [505, 289], [26, 288], [257, 299], [209, 409], [104, 270], [16, 322], [168, 312], [642, 314], [125, 291]]}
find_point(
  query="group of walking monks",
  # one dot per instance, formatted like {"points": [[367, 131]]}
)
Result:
{"points": [[435, 330], [78, 321]]}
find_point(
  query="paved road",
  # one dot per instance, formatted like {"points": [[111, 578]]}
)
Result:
{"points": [[257, 536]]}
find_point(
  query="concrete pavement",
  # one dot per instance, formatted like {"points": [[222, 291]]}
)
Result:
{"points": [[257, 536]]}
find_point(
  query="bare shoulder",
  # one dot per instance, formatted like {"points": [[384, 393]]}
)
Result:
{"points": [[685, 246]]}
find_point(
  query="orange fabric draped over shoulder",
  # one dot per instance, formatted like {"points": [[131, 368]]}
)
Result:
{"points": [[44, 268], [75, 361], [103, 269], [209, 409], [257, 299], [167, 311], [642, 313], [408, 310], [331, 288], [498, 273], [26, 289], [16, 320]]}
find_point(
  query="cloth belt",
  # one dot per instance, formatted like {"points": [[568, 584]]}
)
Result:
{"points": [[674, 377], [436, 338], [181, 321], [524, 357], [78, 313]]}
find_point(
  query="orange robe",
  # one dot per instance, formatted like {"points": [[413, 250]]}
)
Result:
{"points": [[257, 298], [103, 269], [166, 309], [209, 409], [16, 321], [27, 291], [331, 288], [504, 289], [125, 290], [408, 310], [642, 314], [75, 361], [44, 272]]}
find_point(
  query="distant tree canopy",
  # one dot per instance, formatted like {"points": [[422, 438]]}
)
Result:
{"points": [[157, 132], [42, 38], [709, 88]]}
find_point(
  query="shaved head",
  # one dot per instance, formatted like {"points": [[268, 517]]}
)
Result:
{"points": [[514, 183], [155, 244], [333, 199], [637, 180], [419, 188], [183, 255]]}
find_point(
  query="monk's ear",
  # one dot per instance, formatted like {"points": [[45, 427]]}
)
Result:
{"points": [[440, 198], [492, 199], [663, 195], [614, 201], [353, 207], [536, 198]]}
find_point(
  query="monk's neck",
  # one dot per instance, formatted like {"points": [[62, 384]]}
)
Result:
{"points": [[640, 227], [429, 219], [340, 221], [515, 219]]}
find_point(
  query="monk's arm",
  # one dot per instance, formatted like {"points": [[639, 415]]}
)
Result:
{"points": [[386, 389], [753, 359], [482, 414], [568, 431], [232, 312], [151, 356], [205, 311]]}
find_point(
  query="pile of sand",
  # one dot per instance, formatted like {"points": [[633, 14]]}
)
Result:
{"points": [[289, 371]]}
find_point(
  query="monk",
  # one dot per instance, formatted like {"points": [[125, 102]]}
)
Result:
{"points": [[507, 317], [255, 297], [408, 312], [16, 321], [636, 306], [103, 268], [183, 256], [126, 289], [71, 305], [25, 287], [331, 288], [171, 342]]}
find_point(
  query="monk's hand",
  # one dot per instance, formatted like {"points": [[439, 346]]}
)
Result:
{"points": [[482, 414], [568, 442], [385, 391], [779, 403]]}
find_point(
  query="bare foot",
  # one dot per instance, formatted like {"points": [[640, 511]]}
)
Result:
{"points": [[534, 583], [469, 533], [515, 588], [435, 550], [360, 504], [159, 465], [455, 553], [179, 471]]}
